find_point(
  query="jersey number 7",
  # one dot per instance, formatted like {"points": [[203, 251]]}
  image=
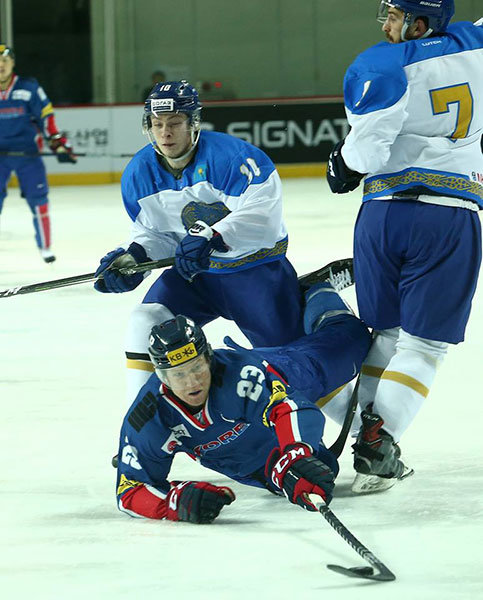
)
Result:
{"points": [[460, 94]]}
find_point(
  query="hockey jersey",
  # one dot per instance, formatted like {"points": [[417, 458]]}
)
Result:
{"points": [[416, 113], [250, 410], [229, 183], [25, 111]]}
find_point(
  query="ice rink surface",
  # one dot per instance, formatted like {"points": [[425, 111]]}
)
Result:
{"points": [[62, 401]]}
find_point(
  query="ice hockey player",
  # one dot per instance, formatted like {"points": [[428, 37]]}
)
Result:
{"points": [[415, 107], [26, 113], [247, 414], [215, 202]]}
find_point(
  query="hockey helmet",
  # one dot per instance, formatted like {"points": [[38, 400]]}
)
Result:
{"points": [[175, 342], [6, 51], [437, 13]]}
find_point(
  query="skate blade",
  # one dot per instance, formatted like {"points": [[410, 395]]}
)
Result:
{"points": [[372, 484]]}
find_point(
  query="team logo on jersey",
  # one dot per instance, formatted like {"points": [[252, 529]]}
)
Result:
{"points": [[201, 211], [126, 484], [181, 355], [174, 439], [225, 438]]}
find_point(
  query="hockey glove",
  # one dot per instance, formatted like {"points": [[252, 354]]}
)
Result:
{"points": [[113, 281], [197, 501], [297, 472], [340, 178], [59, 145], [193, 252]]}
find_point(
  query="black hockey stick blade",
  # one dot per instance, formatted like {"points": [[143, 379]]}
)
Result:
{"points": [[363, 573], [376, 572], [67, 281]]}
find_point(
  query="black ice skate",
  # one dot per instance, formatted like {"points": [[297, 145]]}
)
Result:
{"points": [[47, 255], [376, 457], [339, 273]]}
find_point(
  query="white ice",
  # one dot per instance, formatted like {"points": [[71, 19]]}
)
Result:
{"points": [[62, 401]]}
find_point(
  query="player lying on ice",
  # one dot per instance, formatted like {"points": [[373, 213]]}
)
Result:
{"points": [[248, 414]]}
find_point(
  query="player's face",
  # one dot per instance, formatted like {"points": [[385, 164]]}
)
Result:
{"points": [[172, 133], [6, 67], [393, 25], [190, 382]]}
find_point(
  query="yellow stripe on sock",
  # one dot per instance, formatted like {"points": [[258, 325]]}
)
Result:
{"points": [[140, 365], [372, 371], [406, 380], [325, 399]]}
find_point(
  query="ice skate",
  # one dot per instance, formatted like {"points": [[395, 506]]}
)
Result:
{"points": [[376, 458], [339, 273], [47, 255]]}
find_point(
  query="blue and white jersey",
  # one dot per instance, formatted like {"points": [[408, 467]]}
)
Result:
{"points": [[229, 182], [24, 109], [416, 112]]}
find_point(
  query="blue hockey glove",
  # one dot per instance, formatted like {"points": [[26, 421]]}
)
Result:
{"points": [[113, 281], [193, 252], [59, 145], [340, 178]]}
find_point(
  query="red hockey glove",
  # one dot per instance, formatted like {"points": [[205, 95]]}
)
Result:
{"points": [[61, 148], [297, 472], [197, 501]]}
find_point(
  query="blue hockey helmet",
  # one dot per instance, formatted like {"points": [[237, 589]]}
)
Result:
{"points": [[173, 97], [437, 13], [6, 51], [175, 342]]}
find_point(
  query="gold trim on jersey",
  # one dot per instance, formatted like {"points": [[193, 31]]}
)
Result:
{"points": [[441, 181], [279, 249]]}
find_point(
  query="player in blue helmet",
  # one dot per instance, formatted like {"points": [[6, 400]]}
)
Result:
{"points": [[214, 202], [435, 15], [250, 415], [415, 107], [26, 112]]}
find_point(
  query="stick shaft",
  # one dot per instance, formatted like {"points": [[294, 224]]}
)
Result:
{"points": [[76, 279]]}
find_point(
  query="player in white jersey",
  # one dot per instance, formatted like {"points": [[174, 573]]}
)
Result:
{"points": [[215, 202], [415, 107]]}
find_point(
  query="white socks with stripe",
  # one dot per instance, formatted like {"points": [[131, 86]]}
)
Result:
{"points": [[397, 376], [139, 367]]}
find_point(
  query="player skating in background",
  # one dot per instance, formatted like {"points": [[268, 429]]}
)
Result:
{"points": [[215, 202], [248, 414], [26, 112], [415, 107]]}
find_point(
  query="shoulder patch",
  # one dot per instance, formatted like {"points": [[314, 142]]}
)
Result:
{"points": [[144, 412]]}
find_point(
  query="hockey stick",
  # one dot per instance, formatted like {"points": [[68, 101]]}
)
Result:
{"points": [[66, 281], [334, 269], [382, 572], [339, 443], [19, 153]]}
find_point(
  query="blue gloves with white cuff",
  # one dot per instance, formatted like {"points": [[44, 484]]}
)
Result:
{"points": [[193, 252]]}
